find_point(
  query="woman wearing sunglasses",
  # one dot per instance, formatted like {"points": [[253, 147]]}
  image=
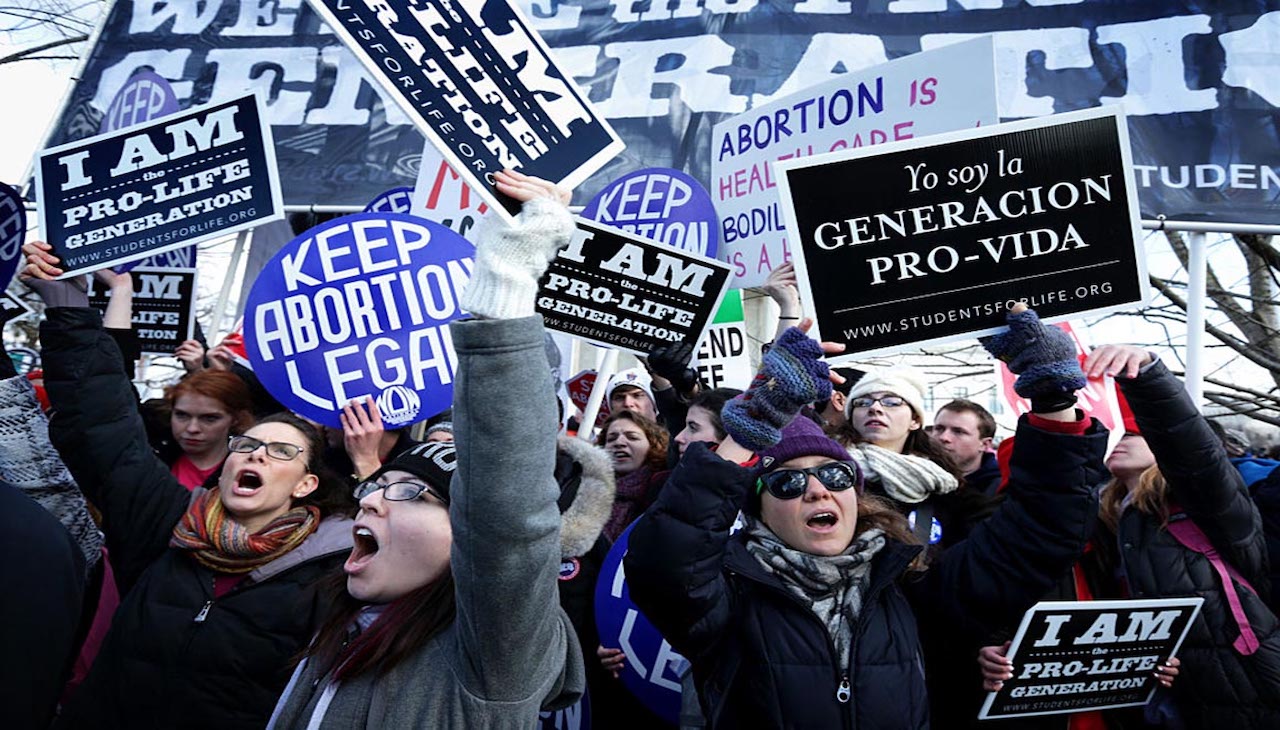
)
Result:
{"points": [[808, 617], [448, 614], [216, 585]]}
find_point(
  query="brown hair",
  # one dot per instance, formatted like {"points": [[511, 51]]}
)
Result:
{"points": [[878, 512], [405, 626], [986, 421], [657, 435], [1148, 498], [333, 495], [227, 389]]}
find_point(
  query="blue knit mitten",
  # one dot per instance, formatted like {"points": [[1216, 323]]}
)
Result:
{"points": [[1043, 358], [791, 375]]}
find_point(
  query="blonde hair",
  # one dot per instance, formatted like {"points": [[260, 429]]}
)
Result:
{"points": [[1148, 498]]}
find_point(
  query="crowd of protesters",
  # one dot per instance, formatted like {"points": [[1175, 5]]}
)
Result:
{"points": [[824, 550]]}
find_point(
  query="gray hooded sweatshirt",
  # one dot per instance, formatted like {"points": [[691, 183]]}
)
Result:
{"points": [[511, 651]]}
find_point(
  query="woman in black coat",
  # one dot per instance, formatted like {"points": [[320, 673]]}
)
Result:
{"points": [[808, 617], [216, 585]]}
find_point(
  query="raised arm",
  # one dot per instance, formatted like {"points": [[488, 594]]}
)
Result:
{"points": [[516, 644], [96, 427]]}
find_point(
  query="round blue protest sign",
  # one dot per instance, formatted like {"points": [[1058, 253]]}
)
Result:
{"points": [[13, 229], [653, 669], [662, 205], [395, 200], [574, 717], [145, 96], [359, 307]]}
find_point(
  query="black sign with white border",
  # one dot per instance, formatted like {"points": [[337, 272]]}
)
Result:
{"points": [[12, 308], [622, 291], [482, 86], [165, 184], [929, 240], [1074, 656], [163, 306]]}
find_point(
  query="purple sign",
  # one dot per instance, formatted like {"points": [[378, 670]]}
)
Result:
{"points": [[145, 96], [395, 200], [662, 205], [653, 669], [13, 229], [359, 307]]}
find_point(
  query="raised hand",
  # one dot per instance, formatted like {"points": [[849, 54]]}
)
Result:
{"points": [[1116, 360], [1043, 357], [362, 431]]}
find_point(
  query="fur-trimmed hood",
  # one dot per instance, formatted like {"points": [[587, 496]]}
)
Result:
{"points": [[585, 474]]}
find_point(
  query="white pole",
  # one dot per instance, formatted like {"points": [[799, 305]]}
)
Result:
{"points": [[219, 309], [608, 365], [1197, 278]]}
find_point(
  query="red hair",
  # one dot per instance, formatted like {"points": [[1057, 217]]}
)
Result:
{"points": [[229, 390]]}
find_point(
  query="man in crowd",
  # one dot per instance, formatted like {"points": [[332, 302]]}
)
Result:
{"points": [[832, 410], [631, 390], [965, 429]]}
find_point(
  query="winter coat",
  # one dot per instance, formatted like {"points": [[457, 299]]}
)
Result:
{"points": [[175, 656], [511, 650], [1266, 495], [761, 659], [1223, 688]]}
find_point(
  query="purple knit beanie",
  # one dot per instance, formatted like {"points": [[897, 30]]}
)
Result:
{"points": [[801, 437]]}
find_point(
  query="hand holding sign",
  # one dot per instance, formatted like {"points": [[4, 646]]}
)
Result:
{"points": [[41, 272], [1044, 359], [509, 261], [1116, 361]]}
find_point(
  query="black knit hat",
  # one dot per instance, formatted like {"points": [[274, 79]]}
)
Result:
{"points": [[433, 462]]}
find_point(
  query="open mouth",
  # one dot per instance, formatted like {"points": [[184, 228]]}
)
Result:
{"points": [[364, 548], [247, 482], [822, 521]]}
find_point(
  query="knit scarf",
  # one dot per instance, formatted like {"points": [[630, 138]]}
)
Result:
{"points": [[906, 478], [628, 501], [831, 586], [221, 544]]}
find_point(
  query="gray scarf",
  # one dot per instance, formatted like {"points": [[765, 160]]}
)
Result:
{"points": [[906, 478], [832, 586]]}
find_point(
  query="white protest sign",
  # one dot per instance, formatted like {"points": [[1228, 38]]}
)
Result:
{"points": [[942, 90]]}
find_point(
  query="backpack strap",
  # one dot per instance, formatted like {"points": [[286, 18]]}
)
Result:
{"points": [[1187, 532]]}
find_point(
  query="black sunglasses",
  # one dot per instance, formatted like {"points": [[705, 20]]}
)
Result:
{"points": [[836, 476]]}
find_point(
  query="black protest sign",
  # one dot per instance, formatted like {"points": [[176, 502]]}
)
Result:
{"points": [[929, 240], [12, 308], [151, 188], [1073, 656], [163, 306], [482, 86], [619, 290]]}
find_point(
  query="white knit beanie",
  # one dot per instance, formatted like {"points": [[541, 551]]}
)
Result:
{"points": [[905, 382]]}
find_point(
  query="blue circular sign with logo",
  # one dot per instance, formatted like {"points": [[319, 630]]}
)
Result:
{"points": [[13, 229], [395, 200], [145, 96], [359, 307], [662, 205], [653, 669]]}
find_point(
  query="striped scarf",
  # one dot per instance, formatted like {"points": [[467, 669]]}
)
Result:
{"points": [[221, 544], [906, 478]]}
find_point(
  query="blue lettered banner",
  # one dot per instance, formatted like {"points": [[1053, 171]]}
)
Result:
{"points": [[653, 669], [395, 200], [173, 182], [1198, 80], [357, 307], [480, 84], [662, 205], [13, 231]]}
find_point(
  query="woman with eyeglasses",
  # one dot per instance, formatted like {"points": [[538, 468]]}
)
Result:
{"points": [[448, 614], [217, 586], [808, 618]]}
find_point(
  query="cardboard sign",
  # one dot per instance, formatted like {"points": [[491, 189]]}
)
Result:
{"points": [[441, 195], [721, 358], [357, 307], [944, 233], [163, 307], [661, 205], [173, 182], [925, 93], [653, 669], [145, 96], [12, 308], [13, 233], [395, 200], [619, 290], [482, 86], [1072, 656]]}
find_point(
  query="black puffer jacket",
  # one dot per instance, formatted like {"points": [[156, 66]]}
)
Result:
{"points": [[175, 656], [1219, 687], [763, 660]]}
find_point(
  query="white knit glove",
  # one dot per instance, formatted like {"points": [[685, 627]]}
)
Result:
{"points": [[511, 259]]}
